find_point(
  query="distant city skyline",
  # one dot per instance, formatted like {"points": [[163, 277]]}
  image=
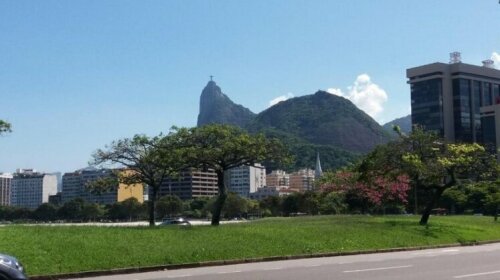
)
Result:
{"points": [[77, 75]]}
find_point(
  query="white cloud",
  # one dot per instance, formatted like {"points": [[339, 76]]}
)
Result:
{"points": [[365, 94], [496, 58], [335, 91], [280, 98]]}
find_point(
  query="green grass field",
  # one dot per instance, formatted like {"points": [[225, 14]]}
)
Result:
{"points": [[60, 249]]}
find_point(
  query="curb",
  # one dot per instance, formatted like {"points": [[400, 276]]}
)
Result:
{"points": [[130, 270]]}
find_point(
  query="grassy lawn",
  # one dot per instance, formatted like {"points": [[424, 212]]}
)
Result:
{"points": [[58, 249]]}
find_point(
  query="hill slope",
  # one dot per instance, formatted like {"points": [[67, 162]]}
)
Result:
{"points": [[323, 119], [404, 123]]}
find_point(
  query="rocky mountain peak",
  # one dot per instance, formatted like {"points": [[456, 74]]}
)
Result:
{"points": [[216, 107]]}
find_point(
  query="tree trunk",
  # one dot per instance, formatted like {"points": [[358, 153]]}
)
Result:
{"points": [[430, 206], [152, 208], [219, 203], [415, 197]]}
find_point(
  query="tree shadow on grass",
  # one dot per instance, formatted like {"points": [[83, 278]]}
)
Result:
{"points": [[401, 223], [428, 232]]}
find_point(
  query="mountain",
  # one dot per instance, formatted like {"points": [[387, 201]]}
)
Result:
{"points": [[216, 107], [404, 123], [305, 152], [322, 122], [323, 119]]}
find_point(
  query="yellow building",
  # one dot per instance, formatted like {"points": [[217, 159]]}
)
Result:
{"points": [[128, 191]]}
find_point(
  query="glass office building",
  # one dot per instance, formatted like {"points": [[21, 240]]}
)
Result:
{"points": [[449, 99], [427, 104]]}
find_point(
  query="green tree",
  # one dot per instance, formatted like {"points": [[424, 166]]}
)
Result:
{"points": [[493, 203], [235, 206], [20, 214], [432, 164], [477, 195], [222, 147], [169, 205], [148, 160], [454, 199], [253, 207], [117, 212], [484, 197], [291, 204], [198, 203], [309, 203], [71, 210], [5, 127], [196, 207], [132, 208], [272, 204], [45, 212], [5, 212], [333, 203], [104, 184], [92, 211]]}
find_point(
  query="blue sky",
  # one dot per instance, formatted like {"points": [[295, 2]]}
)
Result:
{"points": [[75, 75]]}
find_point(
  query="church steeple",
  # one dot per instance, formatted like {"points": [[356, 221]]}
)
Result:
{"points": [[318, 172]]}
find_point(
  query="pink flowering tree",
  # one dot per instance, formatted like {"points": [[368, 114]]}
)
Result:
{"points": [[365, 195]]}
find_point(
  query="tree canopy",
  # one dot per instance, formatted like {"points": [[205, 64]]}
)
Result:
{"points": [[5, 127], [432, 164], [147, 160], [378, 192], [222, 147]]}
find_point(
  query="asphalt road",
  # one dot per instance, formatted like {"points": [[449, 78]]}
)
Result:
{"points": [[469, 263]]}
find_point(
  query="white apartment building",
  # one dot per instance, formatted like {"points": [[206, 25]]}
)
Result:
{"points": [[30, 189], [264, 192], [5, 186], [244, 180]]}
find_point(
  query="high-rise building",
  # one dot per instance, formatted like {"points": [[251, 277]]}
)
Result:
{"points": [[447, 98], [5, 186], [490, 122], [75, 185], [302, 180], [190, 183], [30, 189], [278, 178], [244, 180]]}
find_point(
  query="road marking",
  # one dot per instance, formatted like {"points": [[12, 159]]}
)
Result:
{"points": [[179, 276], [273, 268], [313, 265], [424, 253], [476, 274], [450, 250], [378, 268], [226, 272], [434, 253]]}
